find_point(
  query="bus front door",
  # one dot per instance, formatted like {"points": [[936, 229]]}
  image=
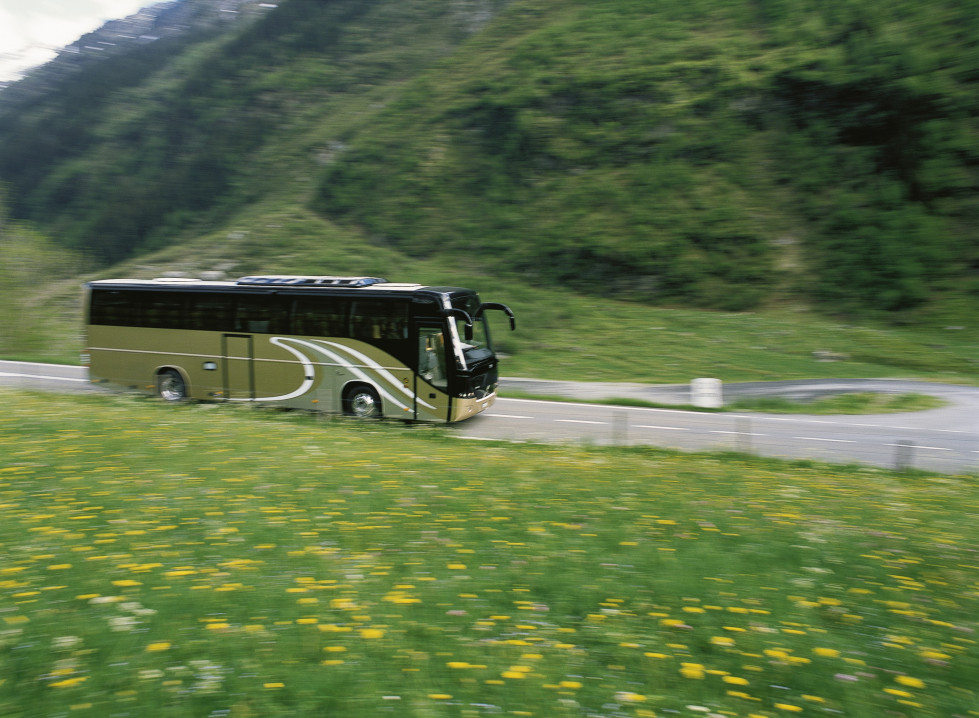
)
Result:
{"points": [[431, 380], [238, 355]]}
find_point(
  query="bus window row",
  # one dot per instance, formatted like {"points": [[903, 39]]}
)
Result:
{"points": [[366, 319]]}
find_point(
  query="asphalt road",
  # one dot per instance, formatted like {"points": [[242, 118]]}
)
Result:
{"points": [[944, 440]]}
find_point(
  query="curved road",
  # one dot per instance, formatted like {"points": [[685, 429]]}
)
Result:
{"points": [[944, 440]]}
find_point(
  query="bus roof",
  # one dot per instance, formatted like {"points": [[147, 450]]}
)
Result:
{"points": [[279, 282]]}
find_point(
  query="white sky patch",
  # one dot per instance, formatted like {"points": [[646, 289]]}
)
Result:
{"points": [[32, 31]]}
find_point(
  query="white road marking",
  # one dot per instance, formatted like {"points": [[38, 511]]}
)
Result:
{"points": [[819, 438], [916, 446], [665, 428], [509, 416], [580, 421]]}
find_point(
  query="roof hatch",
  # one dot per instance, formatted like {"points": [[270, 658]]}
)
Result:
{"points": [[310, 281]]}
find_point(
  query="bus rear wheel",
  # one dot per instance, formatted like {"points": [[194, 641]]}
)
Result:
{"points": [[170, 385], [362, 402]]}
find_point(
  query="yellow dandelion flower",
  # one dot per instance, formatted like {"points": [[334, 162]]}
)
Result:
{"points": [[826, 652], [371, 633], [692, 670], [788, 707], [573, 685], [735, 680], [274, 685], [910, 682], [158, 646], [630, 697], [722, 641], [333, 628], [899, 693], [440, 696], [69, 682]]}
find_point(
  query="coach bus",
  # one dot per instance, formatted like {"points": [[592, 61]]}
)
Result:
{"points": [[360, 346]]}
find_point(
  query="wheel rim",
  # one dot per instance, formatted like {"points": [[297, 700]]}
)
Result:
{"points": [[363, 404], [172, 387]]}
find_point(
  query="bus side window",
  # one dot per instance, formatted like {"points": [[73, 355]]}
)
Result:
{"points": [[210, 313], [261, 314], [163, 310], [320, 317], [114, 308], [373, 320]]}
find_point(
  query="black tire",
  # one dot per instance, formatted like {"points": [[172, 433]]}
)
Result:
{"points": [[170, 386], [361, 401]]}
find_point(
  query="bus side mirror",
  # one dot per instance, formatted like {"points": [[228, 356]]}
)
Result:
{"points": [[501, 307]]}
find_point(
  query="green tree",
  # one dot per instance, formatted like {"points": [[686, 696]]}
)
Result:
{"points": [[28, 260]]}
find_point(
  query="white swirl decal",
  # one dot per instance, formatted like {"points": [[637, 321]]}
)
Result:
{"points": [[356, 362]]}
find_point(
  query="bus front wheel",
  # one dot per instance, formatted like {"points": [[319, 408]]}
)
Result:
{"points": [[362, 401], [170, 385]]}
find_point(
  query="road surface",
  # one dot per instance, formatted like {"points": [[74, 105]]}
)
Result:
{"points": [[944, 440]]}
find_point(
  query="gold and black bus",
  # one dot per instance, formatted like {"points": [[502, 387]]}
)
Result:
{"points": [[360, 346]]}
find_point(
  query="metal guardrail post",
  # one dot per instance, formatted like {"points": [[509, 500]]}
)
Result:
{"points": [[904, 455], [620, 428], [742, 426]]}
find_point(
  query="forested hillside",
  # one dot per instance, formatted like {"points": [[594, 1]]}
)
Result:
{"points": [[695, 152]]}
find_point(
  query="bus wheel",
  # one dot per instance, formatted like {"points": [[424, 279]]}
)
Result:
{"points": [[170, 385], [362, 402]]}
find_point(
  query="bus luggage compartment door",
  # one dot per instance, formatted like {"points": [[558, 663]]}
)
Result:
{"points": [[238, 354]]}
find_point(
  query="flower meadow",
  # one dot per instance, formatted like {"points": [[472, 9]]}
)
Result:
{"points": [[210, 561]]}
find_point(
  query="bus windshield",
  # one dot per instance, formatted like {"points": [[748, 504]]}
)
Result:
{"points": [[480, 346]]}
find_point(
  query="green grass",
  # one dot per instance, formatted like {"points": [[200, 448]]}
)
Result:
{"points": [[560, 335], [851, 403], [203, 560]]}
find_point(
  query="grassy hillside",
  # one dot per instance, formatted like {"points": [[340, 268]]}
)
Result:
{"points": [[189, 561], [720, 155], [560, 335], [665, 153]]}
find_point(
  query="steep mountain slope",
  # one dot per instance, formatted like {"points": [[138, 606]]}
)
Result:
{"points": [[696, 152], [143, 144], [667, 151]]}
